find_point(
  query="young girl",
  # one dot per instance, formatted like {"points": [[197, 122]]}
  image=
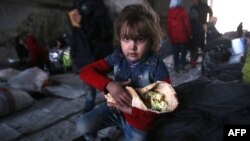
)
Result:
{"points": [[134, 64]]}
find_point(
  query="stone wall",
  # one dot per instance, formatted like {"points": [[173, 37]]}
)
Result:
{"points": [[45, 18]]}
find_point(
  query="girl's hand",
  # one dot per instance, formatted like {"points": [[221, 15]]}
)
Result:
{"points": [[121, 97]]}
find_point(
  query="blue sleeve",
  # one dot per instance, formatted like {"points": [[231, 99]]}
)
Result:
{"points": [[161, 71]]}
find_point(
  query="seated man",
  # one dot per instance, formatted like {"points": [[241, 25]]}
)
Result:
{"points": [[212, 32]]}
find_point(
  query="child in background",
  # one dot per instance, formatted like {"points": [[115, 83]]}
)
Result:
{"points": [[179, 32], [30, 52], [134, 64]]}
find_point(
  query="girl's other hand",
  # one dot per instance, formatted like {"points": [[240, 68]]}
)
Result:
{"points": [[119, 93]]}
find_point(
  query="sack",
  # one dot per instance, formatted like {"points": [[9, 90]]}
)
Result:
{"points": [[13, 100], [30, 80], [7, 73], [161, 87]]}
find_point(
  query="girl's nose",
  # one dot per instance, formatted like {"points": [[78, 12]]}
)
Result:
{"points": [[133, 45]]}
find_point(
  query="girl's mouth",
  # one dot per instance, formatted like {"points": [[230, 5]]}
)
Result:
{"points": [[133, 54]]}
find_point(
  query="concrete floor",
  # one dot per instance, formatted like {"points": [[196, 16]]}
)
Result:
{"points": [[52, 117]]}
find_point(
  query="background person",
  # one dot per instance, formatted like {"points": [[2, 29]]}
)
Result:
{"points": [[30, 52], [92, 30], [198, 18], [212, 32], [179, 32]]}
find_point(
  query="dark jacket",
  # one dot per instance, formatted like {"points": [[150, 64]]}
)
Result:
{"points": [[212, 32], [203, 9], [94, 40], [197, 28]]}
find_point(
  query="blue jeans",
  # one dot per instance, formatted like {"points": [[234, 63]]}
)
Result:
{"points": [[89, 98], [104, 116]]}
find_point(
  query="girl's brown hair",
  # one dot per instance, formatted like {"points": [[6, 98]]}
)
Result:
{"points": [[140, 19]]}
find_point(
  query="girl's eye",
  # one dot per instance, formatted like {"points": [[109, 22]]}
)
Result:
{"points": [[140, 39], [125, 38]]}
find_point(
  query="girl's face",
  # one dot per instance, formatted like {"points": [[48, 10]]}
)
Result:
{"points": [[134, 48]]}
